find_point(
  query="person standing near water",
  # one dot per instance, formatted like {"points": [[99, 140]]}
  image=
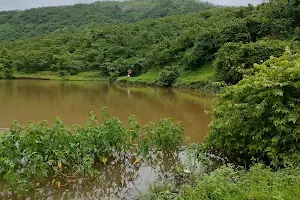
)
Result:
{"points": [[129, 72]]}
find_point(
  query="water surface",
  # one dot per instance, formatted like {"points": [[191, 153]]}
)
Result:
{"points": [[36, 100]]}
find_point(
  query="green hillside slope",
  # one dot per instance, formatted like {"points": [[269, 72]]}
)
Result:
{"points": [[173, 50], [35, 22]]}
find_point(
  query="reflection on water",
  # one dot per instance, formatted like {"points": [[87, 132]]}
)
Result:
{"points": [[117, 180], [35, 100]]}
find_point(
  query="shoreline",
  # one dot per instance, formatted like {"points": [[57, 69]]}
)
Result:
{"points": [[198, 82]]}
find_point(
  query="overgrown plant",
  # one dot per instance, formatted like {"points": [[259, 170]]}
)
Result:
{"points": [[258, 119], [32, 153], [228, 182], [233, 58], [168, 76]]}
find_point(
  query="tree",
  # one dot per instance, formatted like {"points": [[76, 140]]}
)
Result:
{"points": [[258, 118], [232, 58]]}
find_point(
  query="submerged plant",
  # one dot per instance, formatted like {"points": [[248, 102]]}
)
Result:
{"points": [[32, 153]]}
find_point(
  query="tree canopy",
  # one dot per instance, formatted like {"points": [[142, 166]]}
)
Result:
{"points": [[258, 118], [40, 21], [189, 35]]}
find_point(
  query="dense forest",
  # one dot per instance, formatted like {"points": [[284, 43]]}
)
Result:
{"points": [[36, 22], [223, 40]]}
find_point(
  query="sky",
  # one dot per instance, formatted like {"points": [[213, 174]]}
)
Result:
{"points": [[26, 4]]}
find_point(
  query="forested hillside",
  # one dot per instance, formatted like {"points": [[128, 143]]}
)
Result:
{"points": [[36, 22], [211, 45]]}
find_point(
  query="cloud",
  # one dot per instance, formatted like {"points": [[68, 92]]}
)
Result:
{"points": [[26, 4]]}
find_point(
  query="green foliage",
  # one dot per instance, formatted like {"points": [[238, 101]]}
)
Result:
{"points": [[62, 73], [228, 183], [6, 73], [148, 78], [203, 51], [174, 34], [36, 22], [164, 134], [168, 76], [6, 70], [233, 57], [75, 151], [258, 183], [73, 72], [259, 117], [113, 76]]}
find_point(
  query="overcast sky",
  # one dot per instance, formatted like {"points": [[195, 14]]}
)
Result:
{"points": [[26, 4]]}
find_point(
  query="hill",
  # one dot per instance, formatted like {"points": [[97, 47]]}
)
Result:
{"points": [[36, 22], [187, 50]]}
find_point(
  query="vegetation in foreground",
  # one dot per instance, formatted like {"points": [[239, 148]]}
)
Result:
{"points": [[256, 126], [256, 121], [31, 154], [258, 118], [227, 183]]}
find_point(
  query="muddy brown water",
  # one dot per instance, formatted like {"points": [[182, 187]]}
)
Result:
{"points": [[35, 100]]}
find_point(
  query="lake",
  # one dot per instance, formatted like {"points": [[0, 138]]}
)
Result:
{"points": [[36, 100]]}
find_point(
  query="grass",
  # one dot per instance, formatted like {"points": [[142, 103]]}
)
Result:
{"points": [[148, 78], [186, 78], [48, 75], [227, 183], [200, 78], [205, 73]]}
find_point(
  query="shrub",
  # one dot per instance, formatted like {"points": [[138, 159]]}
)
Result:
{"points": [[6, 73], [168, 76], [113, 76], [73, 72], [259, 117], [227, 183], [258, 183], [62, 73], [233, 56], [203, 50], [165, 134], [73, 152]]}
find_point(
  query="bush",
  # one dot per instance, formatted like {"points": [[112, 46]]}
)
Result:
{"points": [[227, 183], [259, 117], [73, 72], [62, 73], [203, 50], [74, 152], [233, 56], [113, 76], [168, 76], [6, 73]]}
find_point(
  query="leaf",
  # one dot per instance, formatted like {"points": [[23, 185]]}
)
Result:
{"points": [[59, 165], [137, 161], [104, 160]]}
